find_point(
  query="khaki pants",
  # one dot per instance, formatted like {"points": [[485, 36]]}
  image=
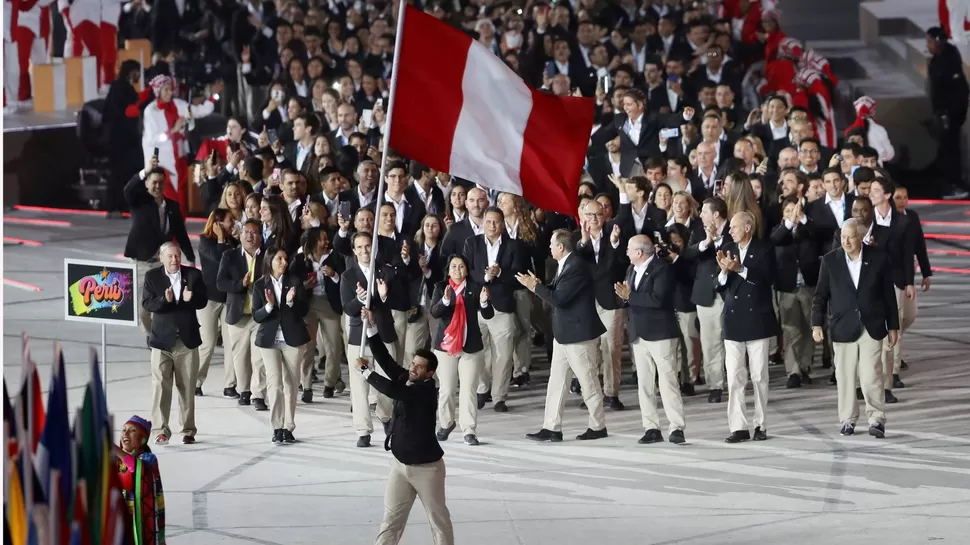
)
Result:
{"points": [[610, 348], [360, 389], [401, 328], [458, 374], [211, 318], [894, 354], [427, 483], [569, 359], [282, 378], [326, 334], [860, 358], [498, 334], [712, 342], [418, 336], [242, 347], [795, 312], [179, 365], [737, 379], [658, 358], [688, 346], [144, 317], [522, 338]]}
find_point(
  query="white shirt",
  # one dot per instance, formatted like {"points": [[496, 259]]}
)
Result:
{"points": [[868, 240], [638, 219], [294, 208], [176, 281], [632, 128], [777, 133], [837, 207], [561, 262], [563, 68], [492, 250], [672, 98], [399, 207], [476, 229], [884, 221], [425, 197], [278, 292], [333, 205], [301, 154], [743, 272], [855, 268], [513, 230], [708, 181], [365, 199], [319, 289], [614, 166], [639, 271]]}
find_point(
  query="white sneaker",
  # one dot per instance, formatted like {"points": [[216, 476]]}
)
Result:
{"points": [[956, 194]]}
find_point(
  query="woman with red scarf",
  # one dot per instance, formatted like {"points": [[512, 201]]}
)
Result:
{"points": [[457, 304], [141, 483], [167, 121]]}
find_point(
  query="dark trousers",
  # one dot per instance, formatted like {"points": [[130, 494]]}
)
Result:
{"points": [[950, 162], [124, 162]]}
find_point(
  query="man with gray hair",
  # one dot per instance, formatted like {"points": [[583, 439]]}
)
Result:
{"points": [[855, 287], [747, 275], [173, 293], [652, 328]]}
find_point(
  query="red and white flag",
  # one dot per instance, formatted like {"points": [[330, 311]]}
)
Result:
{"points": [[459, 109]]}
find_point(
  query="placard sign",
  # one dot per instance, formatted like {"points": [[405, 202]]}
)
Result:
{"points": [[101, 292]]}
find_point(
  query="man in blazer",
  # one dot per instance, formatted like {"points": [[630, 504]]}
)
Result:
{"points": [[408, 213], [424, 189], [648, 293], [575, 330], [239, 269], [298, 154], [599, 246], [829, 213], [494, 259], [702, 250], [364, 194], [173, 294], [638, 129], [616, 162], [154, 221], [353, 295], [855, 288], [747, 271]]}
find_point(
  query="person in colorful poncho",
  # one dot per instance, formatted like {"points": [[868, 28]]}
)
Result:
{"points": [[141, 482]]}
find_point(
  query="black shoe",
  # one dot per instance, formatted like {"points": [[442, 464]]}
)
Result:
{"points": [[806, 378], [794, 381], [826, 363], [858, 394], [699, 381], [738, 436], [877, 430], [231, 393], [443, 433], [714, 396], [591, 434], [903, 365], [481, 401], [307, 395], [759, 434], [776, 359], [630, 380], [188, 440], [687, 389], [198, 391], [546, 435], [890, 398], [500, 407], [471, 440], [260, 404], [539, 340], [897, 383], [651, 436], [574, 387], [848, 429], [521, 380], [832, 379], [288, 437], [677, 437], [387, 427], [613, 402], [278, 436], [244, 398], [363, 441], [339, 387], [327, 392]]}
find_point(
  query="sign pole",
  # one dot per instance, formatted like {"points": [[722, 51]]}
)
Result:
{"points": [[104, 356]]}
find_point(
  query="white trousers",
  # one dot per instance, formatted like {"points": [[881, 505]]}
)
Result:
{"points": [[658, 358], [610, 348], [737, 380], [712, 342], [498, 334]]}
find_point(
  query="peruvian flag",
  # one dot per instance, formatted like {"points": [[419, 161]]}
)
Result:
{"points": [[459, 109]]}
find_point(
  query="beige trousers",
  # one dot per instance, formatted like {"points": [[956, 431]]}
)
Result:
{"points": [[737, 379], [144, 317], [242, 336], [610, 349], [179, 365], [795, 314], [212, 318], [282, 378], [688, 349], [327, 335], [417, 336], [860, 358], [658, 358], [401, 328], [360, 389], [894, 354], [427, 483], [569, 359], [458, 374], [522, 338], [498, 334], [712, 342]]}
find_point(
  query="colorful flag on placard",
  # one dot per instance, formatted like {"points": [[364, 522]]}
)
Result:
{"points": [[16, 509], [30, 384], [54, 451]]}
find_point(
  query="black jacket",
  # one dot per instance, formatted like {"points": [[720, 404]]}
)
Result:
{"points": [[473, 306], [210, 255], [176, 320], [749, 314], [146, 234], [919, 243], [826, 226], [352, 306], [437, 199], [229, 280], [414, 419], [301, 268], [608, 270], [796, 250], [948, 84], [570, 294], [705, 278], [454, 241], [281, 316], [897, 240], [871, 306], [510, 259], [651, 315]]}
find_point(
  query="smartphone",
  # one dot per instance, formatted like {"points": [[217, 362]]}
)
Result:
{"points": [[764, 162], [379, 105], [272, 136], [718, 187], [673, 132], [276, 174], [311, 275], [672, 78], [367, 116], [155, 154], [605, 84], [345, 211]]}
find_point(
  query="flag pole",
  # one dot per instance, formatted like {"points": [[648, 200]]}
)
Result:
{"points": [[380, 181], [29, 443]]}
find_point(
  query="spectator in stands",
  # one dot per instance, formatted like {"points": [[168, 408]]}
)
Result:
{"points": [[121, 123], [949, 96]]}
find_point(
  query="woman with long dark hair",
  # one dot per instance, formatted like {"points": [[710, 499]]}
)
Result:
{"points": [[521, 227], [426, 271], [278, 228], [216, 238]]}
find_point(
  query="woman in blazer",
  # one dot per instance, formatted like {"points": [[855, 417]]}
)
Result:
{"points": [[216, 238], [320, 268], [279, 231], [689, 349], [279, 305], [425, 272], [458, 300]]}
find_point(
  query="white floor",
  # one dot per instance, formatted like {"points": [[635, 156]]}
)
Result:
{"points": [[806, 485]]}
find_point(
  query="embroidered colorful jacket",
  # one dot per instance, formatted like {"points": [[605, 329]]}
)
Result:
{"points": [[141, 484]]}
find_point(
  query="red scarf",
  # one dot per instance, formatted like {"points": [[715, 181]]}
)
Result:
{"points": [[454, 338], [171, 112]]}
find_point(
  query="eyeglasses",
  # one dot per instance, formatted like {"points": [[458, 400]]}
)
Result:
{"points": [[712, 53]]}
